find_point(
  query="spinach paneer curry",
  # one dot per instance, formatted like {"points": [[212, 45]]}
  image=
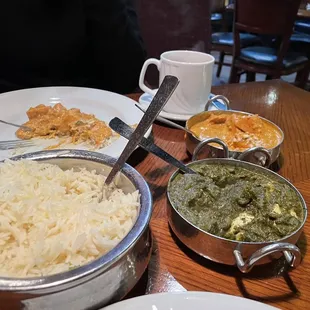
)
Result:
{"points": [[236, 203]]}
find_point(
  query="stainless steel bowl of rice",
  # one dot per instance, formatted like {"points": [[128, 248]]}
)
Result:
{"points": [[65, 243]]}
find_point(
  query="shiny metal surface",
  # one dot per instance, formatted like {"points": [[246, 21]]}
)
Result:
{"points": [[262, 156], [26, 128], [207, 107], [166, 89], [126, 131], [167, 122], [207, 142], [291, 253], [215, 152], [104, 280], [14, 144], [222, 250], [217, 97]]}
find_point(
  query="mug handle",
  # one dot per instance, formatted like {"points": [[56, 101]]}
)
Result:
{"points": [[151, 61]]}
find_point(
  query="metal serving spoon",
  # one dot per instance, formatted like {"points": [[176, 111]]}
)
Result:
{"points": [[163, 94], [126, 131], [207, 106], [170, 123]]}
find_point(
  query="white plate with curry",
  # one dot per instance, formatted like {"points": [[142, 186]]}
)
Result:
{"points": [[66, 117]]}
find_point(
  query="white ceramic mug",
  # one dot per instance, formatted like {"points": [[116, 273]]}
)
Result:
{"points": [[193, 69]]}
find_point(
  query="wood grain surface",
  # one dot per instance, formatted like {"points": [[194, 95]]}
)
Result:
{"points": [[302, 13], [174, 267]]}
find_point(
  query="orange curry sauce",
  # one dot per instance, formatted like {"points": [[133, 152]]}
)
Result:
{"points": [[57, 121], [238, 131]]}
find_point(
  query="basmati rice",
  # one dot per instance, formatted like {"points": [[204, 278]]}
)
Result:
{"points": [[51, 221]]}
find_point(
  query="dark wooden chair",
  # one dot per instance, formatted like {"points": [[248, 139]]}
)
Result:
{"points": [[302, 26], [218, 15], [220, 19], [300, 39], [258, 17], [223, 40]]}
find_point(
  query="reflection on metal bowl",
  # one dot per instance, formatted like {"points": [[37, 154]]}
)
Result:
{"points": [[104, 280], [243, 254]]}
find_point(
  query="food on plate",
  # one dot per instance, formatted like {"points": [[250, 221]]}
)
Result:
{"points": [[236, 203], [238, 131], [51, 219], [57, 121]]}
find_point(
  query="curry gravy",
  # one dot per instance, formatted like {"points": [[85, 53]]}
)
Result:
{"points": [[57, 121], [238, 131]]}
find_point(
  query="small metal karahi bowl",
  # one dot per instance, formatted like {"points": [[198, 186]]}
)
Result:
{"points": [[245, 255], [104, 280], [217, 152]]}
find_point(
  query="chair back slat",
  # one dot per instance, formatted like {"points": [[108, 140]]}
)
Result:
{"points": [[273, 18]]}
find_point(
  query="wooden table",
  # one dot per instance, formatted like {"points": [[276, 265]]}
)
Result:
{"points": [[173, 267], [302, 13]]}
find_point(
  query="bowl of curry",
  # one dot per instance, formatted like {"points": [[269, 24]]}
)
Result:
{"points": [[240, 131], [236, 213]]}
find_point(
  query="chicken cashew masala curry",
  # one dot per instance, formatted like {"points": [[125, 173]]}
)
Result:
{"points": [[57, 121], [238, 131]]}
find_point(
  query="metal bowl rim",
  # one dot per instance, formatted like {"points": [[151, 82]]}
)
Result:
{"points": [[239, 112], [234, 162], [93, 268]]}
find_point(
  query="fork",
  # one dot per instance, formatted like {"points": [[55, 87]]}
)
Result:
{"points": [[26, 128], [15, 144]]}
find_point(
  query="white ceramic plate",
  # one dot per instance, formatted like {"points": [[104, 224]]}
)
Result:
{"points": [[103, 104], [145, 99], [189, 301]]}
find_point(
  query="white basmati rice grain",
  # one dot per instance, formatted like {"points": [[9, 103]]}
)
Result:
{"points": [[51, 221]]}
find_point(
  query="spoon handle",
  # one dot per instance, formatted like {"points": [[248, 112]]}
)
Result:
{"points": [[126, 131], [163, 94], [166, 121]]}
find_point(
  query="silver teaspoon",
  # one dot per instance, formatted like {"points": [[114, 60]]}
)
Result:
{"points": [[126, 131], [163, 94]]}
